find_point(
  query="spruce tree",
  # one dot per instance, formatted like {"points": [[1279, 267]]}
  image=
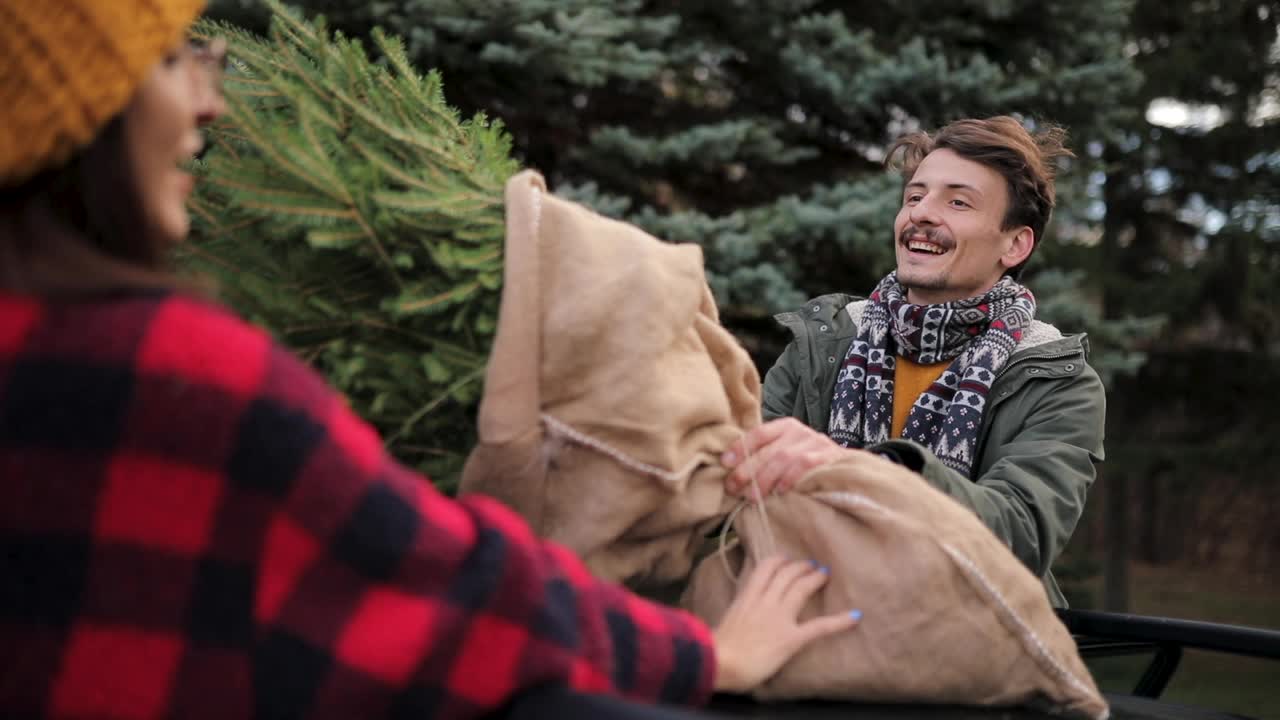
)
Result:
{"points": [[348, 209], [1192, 211]]}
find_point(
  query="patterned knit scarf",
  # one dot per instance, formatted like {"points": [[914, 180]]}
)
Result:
{"points": [[977, 334]]}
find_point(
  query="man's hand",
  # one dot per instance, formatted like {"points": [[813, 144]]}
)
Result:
{"points": [[760, 633], [778, 453]]}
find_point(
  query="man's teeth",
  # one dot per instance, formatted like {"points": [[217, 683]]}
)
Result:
{"points": [[925, 247]]}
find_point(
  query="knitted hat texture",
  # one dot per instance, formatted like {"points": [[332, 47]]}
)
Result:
{"points": [[68, 66]]}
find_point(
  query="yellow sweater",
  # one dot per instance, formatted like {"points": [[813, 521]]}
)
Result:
{"points": [[909, 381]]}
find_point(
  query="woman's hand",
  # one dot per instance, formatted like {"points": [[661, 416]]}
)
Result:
{"points": [[760, 632], [777, 454]]}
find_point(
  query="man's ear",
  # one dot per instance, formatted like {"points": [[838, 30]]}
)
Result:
{"points": [[1024, 241]]}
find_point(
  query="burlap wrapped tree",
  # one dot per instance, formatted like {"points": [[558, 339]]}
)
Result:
{"points": [[348, 209]]}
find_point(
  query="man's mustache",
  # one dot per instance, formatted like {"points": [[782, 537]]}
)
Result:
{"points": [[933, 235]]}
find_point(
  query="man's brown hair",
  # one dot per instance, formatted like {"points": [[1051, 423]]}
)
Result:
{"points": [[1027, 161]]}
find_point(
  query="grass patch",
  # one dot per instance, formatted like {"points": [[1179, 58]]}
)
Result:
{"points": [[1247, 686]]}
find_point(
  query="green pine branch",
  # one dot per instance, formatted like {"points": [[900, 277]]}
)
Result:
{"points": [[350, 210]]}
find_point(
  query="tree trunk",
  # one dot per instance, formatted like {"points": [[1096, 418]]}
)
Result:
{"points": [[1152, 516], [1115, 529], [1116, 572]]}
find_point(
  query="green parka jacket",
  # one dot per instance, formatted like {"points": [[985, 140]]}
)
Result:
{"points": [[1041, 436]]}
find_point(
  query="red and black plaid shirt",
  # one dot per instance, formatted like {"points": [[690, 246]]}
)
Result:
{"points": [[193, 525]]}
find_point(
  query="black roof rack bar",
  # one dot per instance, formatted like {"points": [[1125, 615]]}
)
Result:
{"points": [[1102, 634], [1234, 639]]}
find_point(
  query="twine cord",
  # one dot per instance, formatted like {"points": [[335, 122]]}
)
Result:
{"points": [[769, 540]]}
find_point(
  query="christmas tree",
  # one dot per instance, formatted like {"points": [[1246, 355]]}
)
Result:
{"points": [[348, 209]]}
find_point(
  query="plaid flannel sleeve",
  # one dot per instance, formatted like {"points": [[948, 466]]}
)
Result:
{"points": [[196, 526], [375, 594]]}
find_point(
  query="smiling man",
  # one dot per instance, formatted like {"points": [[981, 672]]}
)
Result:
{"points": [[944, 368]]}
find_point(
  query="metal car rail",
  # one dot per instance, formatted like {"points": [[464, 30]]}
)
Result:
{"points": [[1102, 634]]}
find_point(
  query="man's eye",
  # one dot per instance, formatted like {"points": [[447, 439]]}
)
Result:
{"points": [[960, 203], [914, 198]]}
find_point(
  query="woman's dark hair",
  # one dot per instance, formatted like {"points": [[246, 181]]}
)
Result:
{"points": [[80, 227]]}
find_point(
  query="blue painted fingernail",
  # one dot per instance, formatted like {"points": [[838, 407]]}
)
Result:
{"points": [[855, 614], [814, 563], [824, 569]]}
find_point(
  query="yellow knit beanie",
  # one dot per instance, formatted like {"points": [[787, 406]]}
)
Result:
{"points": [[68, 66]]}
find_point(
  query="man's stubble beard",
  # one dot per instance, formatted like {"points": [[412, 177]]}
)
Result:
{"points": [[939, 280]]}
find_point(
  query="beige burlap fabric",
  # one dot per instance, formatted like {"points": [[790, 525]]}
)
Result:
{"points": [[610, 393], [611, 390], [950, 615]]}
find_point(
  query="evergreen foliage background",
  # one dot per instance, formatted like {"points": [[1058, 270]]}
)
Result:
{"points": [[757, 129]]}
